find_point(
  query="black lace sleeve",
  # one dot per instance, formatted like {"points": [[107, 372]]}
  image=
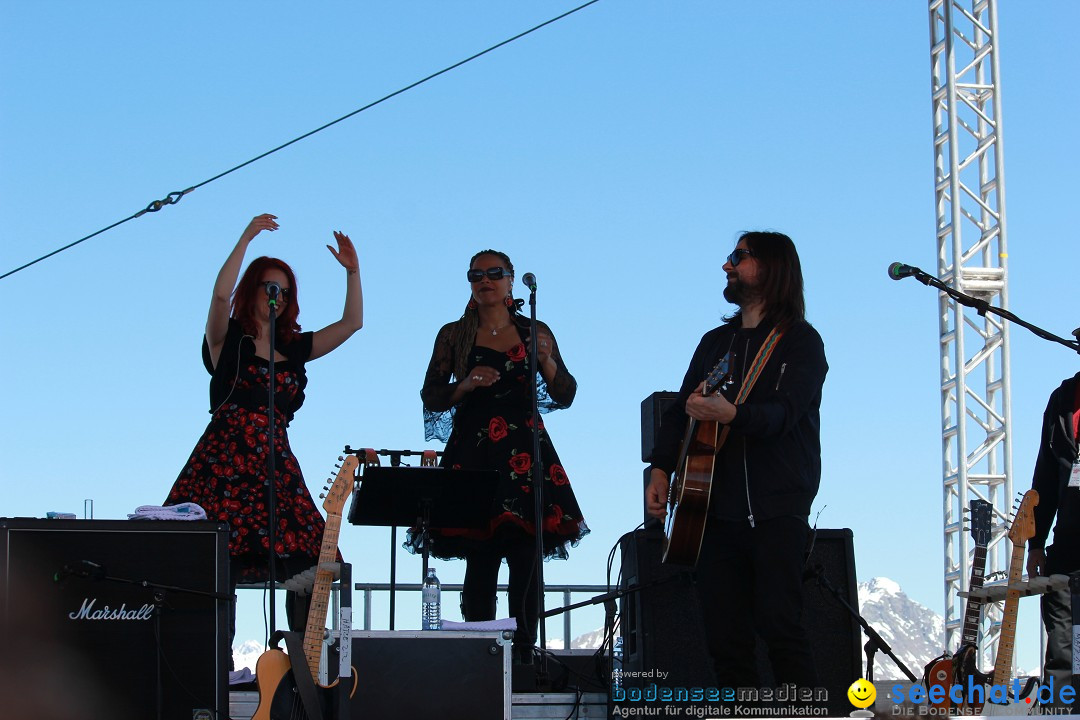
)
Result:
{"points": [[438, 390], [560, 392]]}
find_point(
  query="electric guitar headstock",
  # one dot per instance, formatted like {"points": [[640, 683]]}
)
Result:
{"points": [[980, 514], [1023, 525], [341, 487]]}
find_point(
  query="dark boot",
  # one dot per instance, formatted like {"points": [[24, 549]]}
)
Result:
{"points": [[476, 609]]}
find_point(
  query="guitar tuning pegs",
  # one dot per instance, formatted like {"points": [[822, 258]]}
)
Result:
{"points": [[322, 496]]}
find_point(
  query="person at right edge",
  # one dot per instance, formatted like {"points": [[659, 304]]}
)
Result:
{"points": [[1057, 480], [766, 474]]}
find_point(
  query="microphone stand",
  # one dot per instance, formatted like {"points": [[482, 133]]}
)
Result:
{"points": [[874, 641], [982, 307], [538, 486], [271, 461]]}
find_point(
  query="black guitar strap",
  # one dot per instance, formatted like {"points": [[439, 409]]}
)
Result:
{"points": [[305, 684]]}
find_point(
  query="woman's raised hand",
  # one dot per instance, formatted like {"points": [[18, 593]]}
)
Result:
{"points": [[345, 253], [266, 221]]}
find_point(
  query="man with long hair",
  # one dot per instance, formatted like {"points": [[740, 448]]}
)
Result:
{"points": [[758, 377]]}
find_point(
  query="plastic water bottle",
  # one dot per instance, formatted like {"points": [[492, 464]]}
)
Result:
{"points": [[431, 594]]}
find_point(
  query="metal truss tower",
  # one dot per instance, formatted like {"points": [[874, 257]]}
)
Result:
{"points": [[969, 194]]}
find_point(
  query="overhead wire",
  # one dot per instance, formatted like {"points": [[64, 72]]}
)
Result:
{"points": [[175, 197]]}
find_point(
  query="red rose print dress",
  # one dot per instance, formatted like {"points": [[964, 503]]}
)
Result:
{"points": [[492, 429], [227, 471]]}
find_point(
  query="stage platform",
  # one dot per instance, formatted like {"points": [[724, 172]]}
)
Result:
{"points": [[526, 706]]}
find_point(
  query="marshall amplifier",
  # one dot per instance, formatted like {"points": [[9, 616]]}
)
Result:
{"points": [[118, 616]]}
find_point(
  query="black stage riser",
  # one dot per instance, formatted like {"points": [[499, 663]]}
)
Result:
{"points": [[662, 625], [106, 665]]}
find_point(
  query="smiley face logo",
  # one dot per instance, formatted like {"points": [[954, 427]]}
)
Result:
{"points": [[862, 693]]}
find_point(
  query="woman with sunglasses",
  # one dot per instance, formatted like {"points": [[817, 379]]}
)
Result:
{"points": [[477, 398], [226, 473]]}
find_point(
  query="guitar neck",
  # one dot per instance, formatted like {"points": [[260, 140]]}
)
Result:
{"points": [[970, 634], [320, 596], [1003, 662]]}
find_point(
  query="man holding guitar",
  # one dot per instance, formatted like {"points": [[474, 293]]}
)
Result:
{"points": [[750, 402], [1057, 480]]}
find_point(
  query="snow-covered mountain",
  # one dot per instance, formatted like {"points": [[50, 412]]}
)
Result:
{"points": [[246, 654], [915, 632]]}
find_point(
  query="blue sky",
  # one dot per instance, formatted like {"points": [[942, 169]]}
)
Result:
{"points": [[616, 154]]}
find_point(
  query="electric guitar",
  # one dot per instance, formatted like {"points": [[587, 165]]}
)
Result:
{"points": [[688, 494], [1023, 528], [279, 698], [943, 671]]}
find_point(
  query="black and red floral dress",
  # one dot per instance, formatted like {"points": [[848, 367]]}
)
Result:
{"points": [[492, 429], [227, 471]]}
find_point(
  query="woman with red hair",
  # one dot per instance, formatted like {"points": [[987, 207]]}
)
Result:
{"points": [[227, 471]]}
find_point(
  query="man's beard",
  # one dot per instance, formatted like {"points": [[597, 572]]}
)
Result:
{"points": [[741, 294]]}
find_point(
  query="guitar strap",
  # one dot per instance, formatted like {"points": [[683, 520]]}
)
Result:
{"points": [[305, 684], [763, 354]]}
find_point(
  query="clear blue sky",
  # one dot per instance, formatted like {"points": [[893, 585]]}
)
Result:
{"points": [[615, 154]]}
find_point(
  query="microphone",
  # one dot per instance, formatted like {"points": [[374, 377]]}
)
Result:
{"points": [[272, 292], [899, 270], [83, 568], [530, 281]]}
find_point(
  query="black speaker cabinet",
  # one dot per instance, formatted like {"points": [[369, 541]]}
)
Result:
{"points": [[652, 413], [77, 605], [449, 675], [662, 624]]}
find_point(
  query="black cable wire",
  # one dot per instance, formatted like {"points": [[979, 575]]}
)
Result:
{"points": [[175, 197]]}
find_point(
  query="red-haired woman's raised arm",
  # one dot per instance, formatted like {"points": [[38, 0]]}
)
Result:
{"points": [[352, 317], [217, 320]]}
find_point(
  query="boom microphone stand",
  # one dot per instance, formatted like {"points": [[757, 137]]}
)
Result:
{"points": [[538, 477], [898, 271]]}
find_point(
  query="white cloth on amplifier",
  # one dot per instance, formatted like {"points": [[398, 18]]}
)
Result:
{"points": [[182, 511], [239, 677], [501, 624]]}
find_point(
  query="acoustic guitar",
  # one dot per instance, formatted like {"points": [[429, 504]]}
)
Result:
{"points": [[279, 698], [688, 494], [945, 671]]}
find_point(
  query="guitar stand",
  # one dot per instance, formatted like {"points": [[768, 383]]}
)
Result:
{"points": [[294, 644], [874, 641]]}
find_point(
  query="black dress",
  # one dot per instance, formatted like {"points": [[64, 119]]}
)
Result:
{"points": [[492, 429], [227, 471]]}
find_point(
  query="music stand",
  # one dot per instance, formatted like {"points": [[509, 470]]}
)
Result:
{"points": [[424, 497]]}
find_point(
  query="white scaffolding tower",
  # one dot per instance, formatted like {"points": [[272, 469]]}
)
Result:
{"points": [[969, 191]]}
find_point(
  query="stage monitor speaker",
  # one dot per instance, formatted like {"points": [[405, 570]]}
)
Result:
{"points": [[661, 622], [449, 675], [79, 625], [663, 631]]}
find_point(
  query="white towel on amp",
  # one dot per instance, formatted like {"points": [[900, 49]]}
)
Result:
{"points": [[182, 511]]}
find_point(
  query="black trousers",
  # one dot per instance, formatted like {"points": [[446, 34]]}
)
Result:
{"points": [[482, 581], [750, 580]]}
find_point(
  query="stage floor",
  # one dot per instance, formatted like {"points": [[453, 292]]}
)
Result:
{"points": [[530, 706]]}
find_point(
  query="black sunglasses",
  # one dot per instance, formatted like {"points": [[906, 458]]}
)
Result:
{"points": [[286, 293], [738, 254], [495, 273]]}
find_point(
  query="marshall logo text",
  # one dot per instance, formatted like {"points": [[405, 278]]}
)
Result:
{"points": [[87, 612]]}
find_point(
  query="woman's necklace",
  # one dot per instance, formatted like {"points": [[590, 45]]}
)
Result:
{"points": [[495, 331]]}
